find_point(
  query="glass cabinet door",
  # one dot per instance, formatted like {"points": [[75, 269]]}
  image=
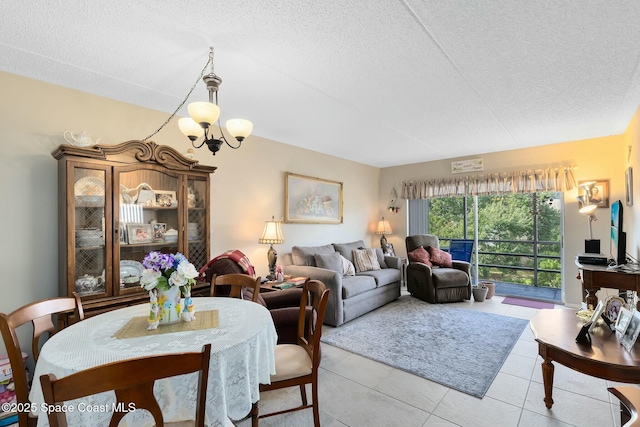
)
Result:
{"points": [[148, 211], [197, 222], [88, 214]]}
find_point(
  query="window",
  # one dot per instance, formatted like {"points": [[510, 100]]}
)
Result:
{"points": [[519, 235]]}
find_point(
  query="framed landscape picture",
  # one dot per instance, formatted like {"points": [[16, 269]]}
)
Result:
{"points": [[312, 200]]}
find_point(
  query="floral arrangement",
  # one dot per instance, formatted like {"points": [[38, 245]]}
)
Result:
{"points": [[165, 270]]}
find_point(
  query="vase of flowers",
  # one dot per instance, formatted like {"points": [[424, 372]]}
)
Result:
{"points": [[166, 277]]}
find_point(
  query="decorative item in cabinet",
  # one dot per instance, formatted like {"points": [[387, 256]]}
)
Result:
{"points": [[107, 190]]}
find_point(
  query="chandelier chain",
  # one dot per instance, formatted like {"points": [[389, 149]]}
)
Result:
{"points": [[204, 69]]}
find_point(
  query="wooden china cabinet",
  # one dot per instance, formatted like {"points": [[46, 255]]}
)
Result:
{"points": [[116, 204]]}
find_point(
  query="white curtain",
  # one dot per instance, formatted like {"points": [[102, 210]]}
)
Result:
{"points": [[530, 181]]}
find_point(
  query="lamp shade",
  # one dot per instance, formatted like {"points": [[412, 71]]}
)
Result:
{"points": [[204, 112], [190, 128], [239, 128], [272, 233], [588, 210], [383, 227]]}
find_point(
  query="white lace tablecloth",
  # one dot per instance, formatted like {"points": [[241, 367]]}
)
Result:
{"points": [[242, 357]]}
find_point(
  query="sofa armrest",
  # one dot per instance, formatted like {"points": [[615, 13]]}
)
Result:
{"points": [[393, 262], [462, 265], [332, 280]]}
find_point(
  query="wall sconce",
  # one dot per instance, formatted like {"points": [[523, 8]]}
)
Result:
{"points": [[272, 235], [392, 204]]}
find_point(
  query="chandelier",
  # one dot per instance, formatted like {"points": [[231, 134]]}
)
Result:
{"points": [[204, 116]]}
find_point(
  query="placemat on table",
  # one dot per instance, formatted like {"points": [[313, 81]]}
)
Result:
{"points": [[137, 326]]}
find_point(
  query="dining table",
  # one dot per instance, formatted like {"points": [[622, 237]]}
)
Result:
{"points": [[242, 338]]}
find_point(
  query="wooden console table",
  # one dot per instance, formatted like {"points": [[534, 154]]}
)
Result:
{"points": [[556, 330], [595, 277]]}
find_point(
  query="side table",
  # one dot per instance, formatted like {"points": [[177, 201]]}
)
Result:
{"points": [[403, 279]]}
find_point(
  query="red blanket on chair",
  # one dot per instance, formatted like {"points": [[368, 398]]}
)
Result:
{"points": [[234, 255]]}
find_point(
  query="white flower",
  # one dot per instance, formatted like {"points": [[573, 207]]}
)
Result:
{"points": [[177, 279], [149, 279], [186, 269]]}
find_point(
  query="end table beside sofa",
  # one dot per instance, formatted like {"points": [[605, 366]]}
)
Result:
{"points": [[350, 296]]}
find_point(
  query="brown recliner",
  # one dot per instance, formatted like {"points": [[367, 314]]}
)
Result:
{"points": [[436, 284], [284, 306]]}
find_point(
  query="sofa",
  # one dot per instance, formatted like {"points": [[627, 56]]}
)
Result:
{"points": [[359, 279]]}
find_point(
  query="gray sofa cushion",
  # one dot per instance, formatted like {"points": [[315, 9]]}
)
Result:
{"points": [[356, 285], [383, 277], [329, 261], [346, 249], [304, 255]]}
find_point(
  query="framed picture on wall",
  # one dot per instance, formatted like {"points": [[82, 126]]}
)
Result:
{"points": [[599, 192], [312, 200]]}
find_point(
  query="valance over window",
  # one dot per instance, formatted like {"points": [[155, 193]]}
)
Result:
{"points": [[531, 181]]}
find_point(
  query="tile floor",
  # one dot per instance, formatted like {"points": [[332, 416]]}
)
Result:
{"points": [[355, 391]]}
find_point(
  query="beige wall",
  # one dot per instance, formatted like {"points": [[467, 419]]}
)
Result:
{"points": [[247, 188], [601, 158]]}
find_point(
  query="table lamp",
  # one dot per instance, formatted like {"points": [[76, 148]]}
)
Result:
{"points": [[591, 246], [272, 235], [383, 228]]}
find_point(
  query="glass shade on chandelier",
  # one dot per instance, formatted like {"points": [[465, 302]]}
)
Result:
{"points": [[272, 235], [204, 116]]}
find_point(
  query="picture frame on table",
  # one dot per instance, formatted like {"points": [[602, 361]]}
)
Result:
{"points": [[597, 312], [599, 192], [165, 199], [139, 233], [633, 329], [612, 306], [624, 318], [310, 200], [146, 197], [388, 249]]}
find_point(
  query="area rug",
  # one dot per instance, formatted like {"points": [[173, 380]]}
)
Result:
{"points": [[459, 348], [527, 303]]}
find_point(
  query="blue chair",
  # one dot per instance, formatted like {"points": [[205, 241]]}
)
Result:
{"points": [[461, 249]]}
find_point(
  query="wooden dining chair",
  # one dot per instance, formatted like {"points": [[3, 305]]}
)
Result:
{"points": [[40, 314], [297, 364], [629, 397], [237, 283], [133, 381]]}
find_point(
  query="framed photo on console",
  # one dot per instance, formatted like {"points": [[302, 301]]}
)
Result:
{"points": [[624, 317], [633, 329], [597, 312]]}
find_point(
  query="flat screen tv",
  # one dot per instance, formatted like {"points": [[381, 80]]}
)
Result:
{"points": [[618, 237]]}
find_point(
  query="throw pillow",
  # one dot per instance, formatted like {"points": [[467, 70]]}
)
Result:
{"points": [[365, 260], [420, 254], [329, 261], [348, 268], [440, 257]]}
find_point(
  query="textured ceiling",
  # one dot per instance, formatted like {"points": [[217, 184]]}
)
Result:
{"points": [[380, 82]]}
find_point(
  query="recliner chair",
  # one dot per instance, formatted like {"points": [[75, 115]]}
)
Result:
{"points": [[436, 284]]}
